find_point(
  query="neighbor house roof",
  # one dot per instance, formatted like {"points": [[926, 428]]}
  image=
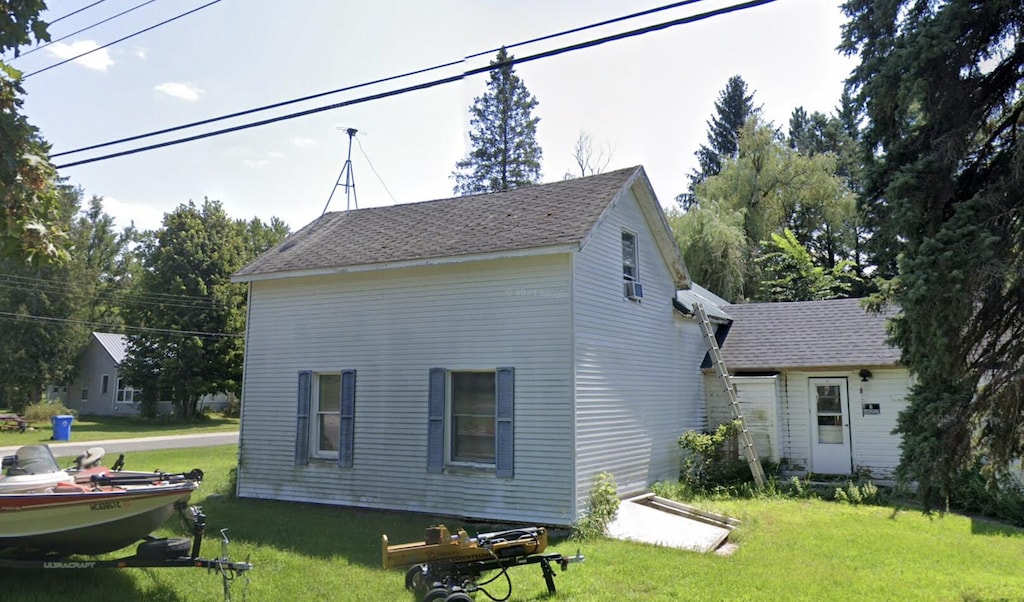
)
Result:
{"points": [[559, 214], [806, 334], [114, 344]]}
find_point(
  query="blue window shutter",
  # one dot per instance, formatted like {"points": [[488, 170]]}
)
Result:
{"points": [[435, 420], [348, 416], [504, 439], [302, 418]]}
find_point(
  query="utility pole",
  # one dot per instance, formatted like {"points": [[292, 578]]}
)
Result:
{"points": [[350, 179]]}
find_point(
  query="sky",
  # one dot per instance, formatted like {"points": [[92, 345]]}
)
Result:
{"points": [[643, 100]]}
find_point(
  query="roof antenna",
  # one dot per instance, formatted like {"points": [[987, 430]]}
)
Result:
{"points": [[346, 172]]}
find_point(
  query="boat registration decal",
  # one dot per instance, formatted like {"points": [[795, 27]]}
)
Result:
{"points": [[68, 565], [109, 505]]}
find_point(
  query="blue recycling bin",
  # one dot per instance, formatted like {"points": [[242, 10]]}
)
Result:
{"points": [[62, 427]]}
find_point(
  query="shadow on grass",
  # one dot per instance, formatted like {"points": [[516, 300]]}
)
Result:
{"points": [[316, 530], [991, 527], [86, 585]]}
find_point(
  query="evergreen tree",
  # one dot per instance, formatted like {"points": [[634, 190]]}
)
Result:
{"points": [[941, 84], [732, 109], [505, 152]]}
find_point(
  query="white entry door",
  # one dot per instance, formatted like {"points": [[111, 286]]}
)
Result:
{"points": [[830, 426]]}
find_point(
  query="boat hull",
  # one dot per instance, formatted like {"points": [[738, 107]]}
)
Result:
{"points": [[89, 522]]}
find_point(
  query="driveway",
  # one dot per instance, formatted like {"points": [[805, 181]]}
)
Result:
{"points": [[117, 446]]}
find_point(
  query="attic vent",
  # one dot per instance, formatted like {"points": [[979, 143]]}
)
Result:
{"points": [[634, 290]]}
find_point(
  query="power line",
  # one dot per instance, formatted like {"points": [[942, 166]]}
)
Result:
{"points": [[84, 29], [4, 315], [142, 298], [433, 83], [364, 84], [75, 12], [127, 37]]}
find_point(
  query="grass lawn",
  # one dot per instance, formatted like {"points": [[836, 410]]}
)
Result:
{"points": [[789, 550], [96, 428]]}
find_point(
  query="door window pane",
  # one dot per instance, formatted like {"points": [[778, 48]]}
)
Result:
{"points": [[828, 399]]}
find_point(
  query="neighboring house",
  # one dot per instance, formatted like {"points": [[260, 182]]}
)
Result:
{"points": [[98, 387], [484, 356], [818, 385]]}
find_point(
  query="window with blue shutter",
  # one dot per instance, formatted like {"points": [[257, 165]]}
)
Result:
{"points": [[504, 440], [435, 419], [302, 418], [347, 417]]}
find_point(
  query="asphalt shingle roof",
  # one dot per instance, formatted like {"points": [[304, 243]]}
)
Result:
{"points": [[536, 216], [806, 334]]}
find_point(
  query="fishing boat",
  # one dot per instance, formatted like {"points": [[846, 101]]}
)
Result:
{"points": [[84, 510]]}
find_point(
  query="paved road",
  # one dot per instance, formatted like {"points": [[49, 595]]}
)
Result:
{"points": [[116, 446]]}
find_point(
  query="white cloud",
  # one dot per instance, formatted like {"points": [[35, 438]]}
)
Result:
{"points": [[275, 154], [257, 163], [124, 213], [140, 52], [304, 142], [97, 61], [183, 90]]}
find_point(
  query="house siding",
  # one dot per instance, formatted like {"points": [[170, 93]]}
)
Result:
{"points": [[637, 377], [392, 327], [759, 398], [93, 364], [874, 449]]}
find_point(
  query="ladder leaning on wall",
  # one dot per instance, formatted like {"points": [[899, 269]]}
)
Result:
{"points": [[745, 440]]}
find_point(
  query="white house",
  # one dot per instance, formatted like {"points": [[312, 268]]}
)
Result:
{"points": [[818, 385], [483, 356]]}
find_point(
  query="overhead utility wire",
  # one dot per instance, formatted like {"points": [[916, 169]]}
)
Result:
{"points": [[434, 83], [199, 333], [362, 85], [42, 285], [75, 33], [127, 37], [75, 12]]}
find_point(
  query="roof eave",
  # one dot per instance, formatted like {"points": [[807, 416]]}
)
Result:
{"points": [[411, 263]]}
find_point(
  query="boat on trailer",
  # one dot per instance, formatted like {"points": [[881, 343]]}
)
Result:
{"points": [[50, 516]]}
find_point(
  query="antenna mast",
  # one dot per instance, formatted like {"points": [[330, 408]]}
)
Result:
{"points": [[350, 179]]}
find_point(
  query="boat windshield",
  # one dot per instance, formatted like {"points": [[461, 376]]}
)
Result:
{"points": [[33, 459]]}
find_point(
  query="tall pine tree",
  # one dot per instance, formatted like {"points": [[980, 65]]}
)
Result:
{"points": [[941, 86], [732, 109], [505, 152]]}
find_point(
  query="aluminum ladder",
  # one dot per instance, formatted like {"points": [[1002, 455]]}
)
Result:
{"points": [[746, 442]]}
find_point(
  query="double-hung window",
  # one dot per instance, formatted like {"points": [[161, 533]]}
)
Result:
{"points": [[325, 419], [630, 265], [470, 420]]}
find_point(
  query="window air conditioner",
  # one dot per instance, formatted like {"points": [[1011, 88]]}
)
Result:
{"points": [[634, 290]]}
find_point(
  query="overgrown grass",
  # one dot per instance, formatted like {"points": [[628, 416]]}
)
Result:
{"points": [[790, 549], [96, 428]]}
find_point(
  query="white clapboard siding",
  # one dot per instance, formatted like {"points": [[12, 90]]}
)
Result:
{"points": [[637, 365], [875, 449], [760, 405], [392, 327]]}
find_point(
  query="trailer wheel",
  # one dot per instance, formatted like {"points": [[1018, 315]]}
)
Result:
{"points": [[163, 549], [437, 594]]}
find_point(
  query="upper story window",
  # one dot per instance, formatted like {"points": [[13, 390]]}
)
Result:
{"points": [[630, 265]]}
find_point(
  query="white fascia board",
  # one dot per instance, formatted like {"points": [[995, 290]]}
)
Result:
{"points": [[412, 263]]}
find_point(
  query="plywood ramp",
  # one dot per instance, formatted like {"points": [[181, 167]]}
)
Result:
{"points": [[659, 521]]}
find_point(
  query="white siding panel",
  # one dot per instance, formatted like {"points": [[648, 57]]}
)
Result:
{"points": [[875, 450], [759, 404], [391, 327], [637, 365]]}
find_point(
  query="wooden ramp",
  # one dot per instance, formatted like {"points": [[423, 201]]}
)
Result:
{"points": [[655, 520]]}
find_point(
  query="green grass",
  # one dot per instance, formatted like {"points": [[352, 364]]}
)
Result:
{"points": [[96, 428], [789, 550]]}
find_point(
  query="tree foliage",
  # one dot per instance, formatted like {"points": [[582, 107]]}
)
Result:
{"points": [[503, 135], [193, 313], [764, 189], [940, 84], [789, 273], [30, 202], [732, 110]]}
